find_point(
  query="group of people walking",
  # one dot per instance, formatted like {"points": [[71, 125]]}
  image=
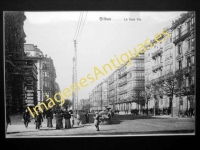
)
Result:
{"points": [[59, 116]]}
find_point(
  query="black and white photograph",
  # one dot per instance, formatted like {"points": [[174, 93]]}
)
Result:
{"points": [[99, 73]]}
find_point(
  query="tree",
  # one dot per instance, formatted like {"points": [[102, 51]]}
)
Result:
{"points": [[139, 96], [67, 104], [147, 96], [168, 85], [186, 88]]}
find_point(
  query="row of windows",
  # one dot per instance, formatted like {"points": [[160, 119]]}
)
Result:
{"points": [[189, 45], [136, 84], [190, 60], [141, 64], [123, 96]]}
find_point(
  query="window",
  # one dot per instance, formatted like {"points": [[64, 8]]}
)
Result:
{"points": [[188, 26], [188, 62], [180, 65], [189, 43], [179, 49], [179, 31]]}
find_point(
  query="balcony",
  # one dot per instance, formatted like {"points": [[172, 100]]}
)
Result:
{"points": [[192, 27], [110, 82], [111, 88], [169, 46], [157, 53], [122, 75], [181, 36], [157, 67], [122, 92], [189, 52], [122, 83]]}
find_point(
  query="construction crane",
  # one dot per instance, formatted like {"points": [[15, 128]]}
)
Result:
{"points": [[74, 80], [74, 76]]}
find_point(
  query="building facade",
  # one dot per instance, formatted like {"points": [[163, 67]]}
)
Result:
{"points": [[98, 97], [121, 89], [131, 85], [173, 54], [183, 34], [36, 55], [14, 54]]}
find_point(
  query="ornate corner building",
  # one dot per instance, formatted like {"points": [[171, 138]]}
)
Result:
{"points": [[29, 76]]}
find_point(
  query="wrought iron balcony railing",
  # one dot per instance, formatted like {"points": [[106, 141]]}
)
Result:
{"points": [[122, 75], [157, 66], [181, 36], [122, 83], [158, 52]]}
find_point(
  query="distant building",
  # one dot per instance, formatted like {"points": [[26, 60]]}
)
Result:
{"points": [[36, 55], [118, 90], [131, 85], [49, 77], [84, 104]]}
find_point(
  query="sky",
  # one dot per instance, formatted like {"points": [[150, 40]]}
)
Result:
{"points": [[98, 41]]}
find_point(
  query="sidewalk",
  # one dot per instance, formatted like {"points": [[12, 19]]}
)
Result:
{"points": [[174, 117], [157, 116]]}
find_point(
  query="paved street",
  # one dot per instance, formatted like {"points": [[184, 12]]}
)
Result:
{"points": [[124, 125]]}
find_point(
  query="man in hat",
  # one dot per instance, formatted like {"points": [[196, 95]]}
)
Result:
{"points": [[87, 117], [96, 120], [26, 118], [49, 116], [38, 119], [67, 117], [72, 119], [58, 117]]}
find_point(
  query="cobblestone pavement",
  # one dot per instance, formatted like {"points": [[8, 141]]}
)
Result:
{"points": [[123, 125]]}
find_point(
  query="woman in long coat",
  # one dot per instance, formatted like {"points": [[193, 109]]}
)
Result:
{"points": [[49, 116], [26, 117], [38, 120], [58, 117], [96, 121], [67, 117], [72, 120]]}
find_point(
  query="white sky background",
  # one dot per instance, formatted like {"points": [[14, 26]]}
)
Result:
{"points": [[99, 41]]}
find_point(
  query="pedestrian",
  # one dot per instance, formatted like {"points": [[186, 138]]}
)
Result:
{"points": [[62, 116], [26, 118], [38, 119], [49, 116], [72, 119], [67, 117], [109, 117], [79, 122], [96, 121], [58, 117], [8, 120], [87, 117]]}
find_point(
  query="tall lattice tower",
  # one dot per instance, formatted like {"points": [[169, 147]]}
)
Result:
{"points": [[74, 80]]}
